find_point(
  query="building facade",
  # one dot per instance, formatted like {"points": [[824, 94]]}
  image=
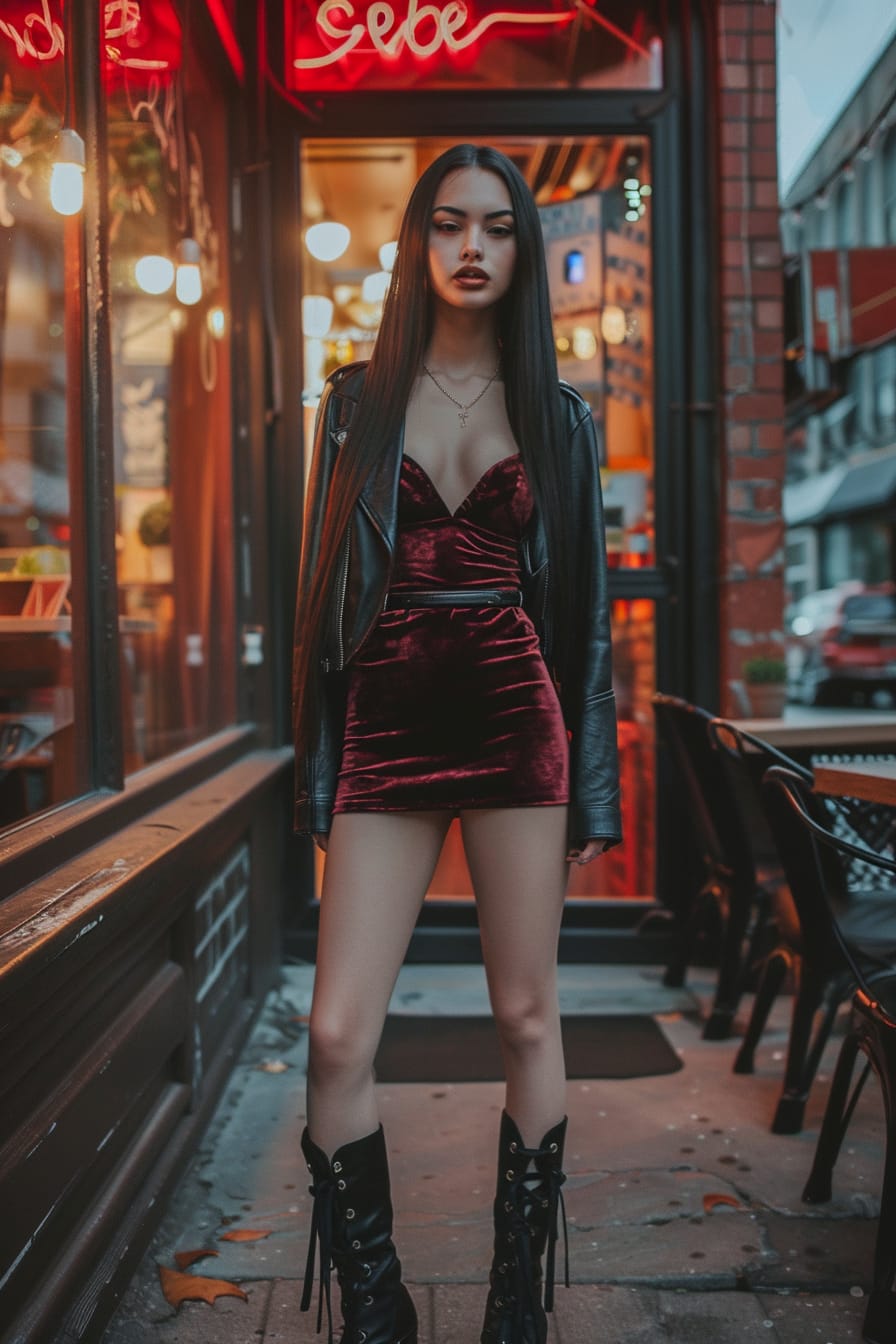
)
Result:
{"points": [[162, 347]]}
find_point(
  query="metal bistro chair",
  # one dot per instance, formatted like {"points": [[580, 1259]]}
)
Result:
{"points": [[841, 904], [872, 1031], [731, 895], [745, 759]]}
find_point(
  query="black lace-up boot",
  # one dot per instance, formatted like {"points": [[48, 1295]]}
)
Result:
{"points": [[526, 1207], [352, 1221]]}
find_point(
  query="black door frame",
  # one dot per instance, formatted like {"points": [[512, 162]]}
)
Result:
{"points": [[679, 121]]}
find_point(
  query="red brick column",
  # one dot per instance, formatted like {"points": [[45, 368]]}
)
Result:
{"points": [[752, 468]]}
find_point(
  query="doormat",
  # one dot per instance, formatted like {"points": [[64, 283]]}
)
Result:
{"points": [[465, 1049]]}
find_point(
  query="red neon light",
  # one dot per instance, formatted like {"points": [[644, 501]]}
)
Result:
{"points": [[37, 36], [426, 29]]}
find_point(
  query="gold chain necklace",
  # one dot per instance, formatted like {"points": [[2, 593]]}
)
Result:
{"points": [[463, 411]]}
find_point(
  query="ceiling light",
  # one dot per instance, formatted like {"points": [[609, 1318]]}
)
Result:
{"points": [[375, 286], [67, 177], [154, 274], [327, 241], [188, 279], [317, 314]]}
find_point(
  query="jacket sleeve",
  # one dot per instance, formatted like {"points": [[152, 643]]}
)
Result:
{"points": [[316, 767], [590, 704]]}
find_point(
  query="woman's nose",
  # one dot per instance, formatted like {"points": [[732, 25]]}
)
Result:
{"points": [[471, 248]]}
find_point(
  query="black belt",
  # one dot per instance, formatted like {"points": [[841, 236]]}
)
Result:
{"points": [[454, 597]]}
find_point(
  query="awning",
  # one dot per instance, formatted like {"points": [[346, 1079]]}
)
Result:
{"points": [[805, 501], [868, 484]]}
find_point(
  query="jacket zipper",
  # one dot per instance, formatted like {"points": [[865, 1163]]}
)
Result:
{"points": [[341, 609], [544, 612]]}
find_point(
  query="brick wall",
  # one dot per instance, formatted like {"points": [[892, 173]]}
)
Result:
{"points": [[752, 468]]}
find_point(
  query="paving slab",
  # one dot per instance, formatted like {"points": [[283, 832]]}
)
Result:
{"points": [[655, 1254]]}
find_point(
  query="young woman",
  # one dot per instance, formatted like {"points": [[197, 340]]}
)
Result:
{"points": [[452, 659]]}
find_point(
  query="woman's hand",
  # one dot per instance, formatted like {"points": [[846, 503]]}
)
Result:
{"points": [[591, 851], [321, 842]]}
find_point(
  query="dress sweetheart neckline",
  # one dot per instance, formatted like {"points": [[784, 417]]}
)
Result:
{"points": [[467, 497]]}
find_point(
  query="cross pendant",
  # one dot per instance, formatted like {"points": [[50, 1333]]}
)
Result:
{"points": [[462, 417]]}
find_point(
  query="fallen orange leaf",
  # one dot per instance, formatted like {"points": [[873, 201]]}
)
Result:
{"points": [[244, 1234], [185, 1258], [710, 1202], [180, 1288]]}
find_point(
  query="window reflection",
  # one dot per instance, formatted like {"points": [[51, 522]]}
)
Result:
{"points": [[171, 403], [37, 740]]}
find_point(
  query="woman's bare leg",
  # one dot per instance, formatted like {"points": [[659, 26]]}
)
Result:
{"points": [[378, 868], [519, 870]]}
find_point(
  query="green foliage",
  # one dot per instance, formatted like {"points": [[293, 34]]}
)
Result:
{"points": [[42, 560], [154, 526], [764, 670]]}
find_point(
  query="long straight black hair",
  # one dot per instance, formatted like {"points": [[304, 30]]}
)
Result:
{"points": [[531, 389]]}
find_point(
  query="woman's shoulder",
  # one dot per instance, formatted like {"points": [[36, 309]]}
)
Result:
{"points": [[348, 379], [574, 403]]}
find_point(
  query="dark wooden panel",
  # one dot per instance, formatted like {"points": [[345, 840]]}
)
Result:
{"points": [[72, 1141]]}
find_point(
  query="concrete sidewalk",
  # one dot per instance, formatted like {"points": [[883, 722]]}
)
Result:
{"points": [[648, 1262]]}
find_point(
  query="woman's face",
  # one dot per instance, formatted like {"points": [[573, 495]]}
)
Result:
{"points": [[472, 239]]}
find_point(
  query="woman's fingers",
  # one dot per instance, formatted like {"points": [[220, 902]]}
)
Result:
{"points": [[591, 851]]}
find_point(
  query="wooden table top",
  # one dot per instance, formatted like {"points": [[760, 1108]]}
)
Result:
{"points": [[817, 730], [872, 781]]}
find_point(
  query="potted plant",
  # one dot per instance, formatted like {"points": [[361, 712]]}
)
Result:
{"points": [[154, 531], [766, 677]]}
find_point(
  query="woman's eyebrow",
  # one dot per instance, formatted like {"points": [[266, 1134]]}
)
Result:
{"points": [[462, 214]]}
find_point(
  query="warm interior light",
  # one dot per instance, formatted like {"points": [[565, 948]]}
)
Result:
{"points": [[584, 343], [328, 240], [188, 279], [67, 177], [612, 324], [387, 254], [317, 314], [374, 286], [154, 274], [216, 319]]}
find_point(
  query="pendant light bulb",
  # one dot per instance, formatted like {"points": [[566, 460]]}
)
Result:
{"points": [[328, 240], [188, 278], [67, 177]]}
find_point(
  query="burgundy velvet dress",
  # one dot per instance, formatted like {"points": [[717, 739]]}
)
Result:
{"points": [[453, 707]]}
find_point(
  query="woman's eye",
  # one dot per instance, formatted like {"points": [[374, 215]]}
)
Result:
{"points": [[446, 226], [501, 231]]}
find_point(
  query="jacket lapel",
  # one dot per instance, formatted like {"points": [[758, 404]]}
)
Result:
{"points": [[379, 494]]}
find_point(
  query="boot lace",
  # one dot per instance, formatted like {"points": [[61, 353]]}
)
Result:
{"points": [[526, 1198], [324, 1194]]}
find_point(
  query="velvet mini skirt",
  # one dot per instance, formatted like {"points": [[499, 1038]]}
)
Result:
{"points": [[453, 707]]}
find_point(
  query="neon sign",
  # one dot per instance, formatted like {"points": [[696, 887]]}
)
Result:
{"points": [[38, 36], [381, 20], [341, 44]]}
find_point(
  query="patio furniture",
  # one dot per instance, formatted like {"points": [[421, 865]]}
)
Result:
{"points": [[730, 894], [841, 904], [871, 1032]]}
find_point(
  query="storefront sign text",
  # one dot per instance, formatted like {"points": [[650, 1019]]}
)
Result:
{"points": [[425, 30]]}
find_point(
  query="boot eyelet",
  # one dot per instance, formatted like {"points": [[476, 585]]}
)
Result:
{"points": [[499, 1302], [341, 1184], [308, 1165], [508, 1207], [362, 1336], [337, 1166], [366, 1271], [553, 1147], [356, 1245], [510, 1174], [368, 1301], [513, 1146], [349, 1213], [544, 1203]]}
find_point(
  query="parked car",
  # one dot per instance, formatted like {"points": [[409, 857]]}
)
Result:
{"points": [[840, 640]]}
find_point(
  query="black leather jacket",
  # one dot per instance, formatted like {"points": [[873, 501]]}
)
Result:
{"points": [[586, 693]]}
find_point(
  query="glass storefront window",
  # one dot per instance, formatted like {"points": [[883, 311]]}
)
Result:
{"points": [[39, 345], [594, 195], [167, 138]]}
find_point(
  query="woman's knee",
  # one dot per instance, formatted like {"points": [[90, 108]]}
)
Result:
{"points": [[526, 1023], [337, 1047]]}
